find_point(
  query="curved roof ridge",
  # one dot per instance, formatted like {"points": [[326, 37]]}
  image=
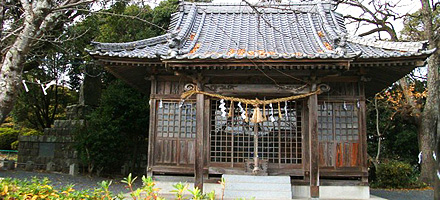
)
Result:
{"points": [[196, 37], [389, 45], [188, 24], [268, 7], [241, 3], [129, 45]]}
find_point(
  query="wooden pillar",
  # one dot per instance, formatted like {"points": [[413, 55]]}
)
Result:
{"points": [[306, 141], [363, 137], [313, 145], [198, 164], [363, 133], [152, 129]]}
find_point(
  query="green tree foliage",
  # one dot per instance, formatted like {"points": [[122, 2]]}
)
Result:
{"points": [[398, 134], [115, 131], [36, 110], [398, 131], [413, 29], [7, 137], [121, 23]]}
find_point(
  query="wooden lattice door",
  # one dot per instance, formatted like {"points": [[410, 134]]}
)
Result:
{"points": [[175, 133], [338, 134], [280, 141]]}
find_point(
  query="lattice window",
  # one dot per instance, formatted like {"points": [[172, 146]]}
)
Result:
{"points": [[338, 121], [232, 139], [176, 122]]}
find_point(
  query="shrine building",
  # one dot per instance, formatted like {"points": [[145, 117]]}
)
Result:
{"points": [[262, 90]]}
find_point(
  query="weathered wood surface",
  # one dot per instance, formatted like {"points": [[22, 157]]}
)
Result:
{"points": [[199, 151], [363, 133], [152, 129], [306, 141], [314, 146], [256, 88], [333, 156]]}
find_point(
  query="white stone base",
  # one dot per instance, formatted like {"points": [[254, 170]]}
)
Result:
{"points": [[333, 192]]}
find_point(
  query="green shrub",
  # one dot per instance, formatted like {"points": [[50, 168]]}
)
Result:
{"points": [[117, 128], [396, 174], [7, 137], [14, 145], [30, 131], [42, 189]]}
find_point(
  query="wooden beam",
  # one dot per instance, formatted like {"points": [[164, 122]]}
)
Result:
{"points": [[199, 156], [256, 88], [314, 144]]}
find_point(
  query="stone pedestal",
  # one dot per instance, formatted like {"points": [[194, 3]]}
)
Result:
{"points": [[73, 170], [10, 165], [29, 166], [50, 166]]}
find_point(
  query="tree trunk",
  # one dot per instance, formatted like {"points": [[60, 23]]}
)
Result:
{"points": [[431, 109], [437, 171], [12, 65]]}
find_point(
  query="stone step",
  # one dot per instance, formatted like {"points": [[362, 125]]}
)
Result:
{"points": [[258, 187], [257, 195], [68, 123], [58, 131], [256, 179]]}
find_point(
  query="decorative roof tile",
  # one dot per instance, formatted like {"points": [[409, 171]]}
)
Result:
{"points": [[303, 30]]}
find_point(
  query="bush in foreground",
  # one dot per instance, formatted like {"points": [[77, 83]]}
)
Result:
{"points": [[37, 189]]}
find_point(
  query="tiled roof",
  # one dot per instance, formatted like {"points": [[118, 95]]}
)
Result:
{"points": [[303, 30]]}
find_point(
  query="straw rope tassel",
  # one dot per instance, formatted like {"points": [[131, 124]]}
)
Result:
{"points": [[247, 116], [264, 113], [231, 109], [189, 93], [279, 111], [256, 116]]}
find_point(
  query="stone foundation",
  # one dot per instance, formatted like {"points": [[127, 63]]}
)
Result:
{"points": [[333, 192]]}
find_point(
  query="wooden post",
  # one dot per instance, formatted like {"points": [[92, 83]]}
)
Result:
{"points": [[152, 129], [314, 150], [363, 137], [306, 141], [198, 164], [256, 159]]}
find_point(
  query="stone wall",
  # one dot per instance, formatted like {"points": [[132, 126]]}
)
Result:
{"points": [[56, 145], [44, 149]]}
